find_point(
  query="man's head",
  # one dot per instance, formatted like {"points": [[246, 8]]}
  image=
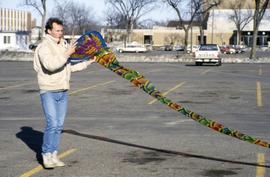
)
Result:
{"points": [[54, 27]]}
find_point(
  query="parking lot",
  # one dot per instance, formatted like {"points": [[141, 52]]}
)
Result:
{"points": [[115, 130]]}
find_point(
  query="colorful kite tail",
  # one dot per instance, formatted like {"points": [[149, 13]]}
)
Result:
{"points": [[92, 44], [107, 58]]}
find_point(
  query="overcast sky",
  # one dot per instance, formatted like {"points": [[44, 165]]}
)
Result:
{"points": [[98, 6]]}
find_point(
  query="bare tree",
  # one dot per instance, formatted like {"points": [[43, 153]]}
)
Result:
{"points": [[148, 23], [203, 16], [197, 8], [115, 20], [62, 10], [41, 7], [130, 10], [240, 17], [173, 39], [76, 17], [202, 20], [260, 7]]}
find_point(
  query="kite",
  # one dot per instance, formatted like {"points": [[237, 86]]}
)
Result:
{"points": [[92, 44]]}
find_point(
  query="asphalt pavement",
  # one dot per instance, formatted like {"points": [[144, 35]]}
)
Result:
{"points": [[113, 129]]}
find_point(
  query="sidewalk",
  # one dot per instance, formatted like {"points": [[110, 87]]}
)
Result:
{"points": [[16, 56], [28, 56]]}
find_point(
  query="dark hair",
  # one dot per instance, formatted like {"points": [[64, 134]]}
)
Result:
{"points": [[49, 24]]}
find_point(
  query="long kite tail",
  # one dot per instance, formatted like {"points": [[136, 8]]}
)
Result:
{"points": [[93, 44], [107, 58]]}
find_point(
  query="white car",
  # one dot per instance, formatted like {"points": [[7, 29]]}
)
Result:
{"points": [[132, 47], [192, 49], [208, 53]]}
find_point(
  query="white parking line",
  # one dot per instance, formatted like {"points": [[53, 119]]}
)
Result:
{"points": [[152, 71], [16, 86], [91, 87], [178, 122], [259, 94], [260, 71], [204, 72], [165, 93]]}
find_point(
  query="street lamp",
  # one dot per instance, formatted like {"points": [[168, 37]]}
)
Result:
{"points": [[191, 30], [248, 33], [213, 5], [263, 36], [213, 17]]}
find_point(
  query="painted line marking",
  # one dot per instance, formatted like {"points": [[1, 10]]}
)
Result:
{"points": [[259, 94], [152, 71], [234, 74], [165, 93], [92, 71], [15, 86], [260, 71], [39, 168], [260, 171], [178, 122], [91, 87], [204, 72]]}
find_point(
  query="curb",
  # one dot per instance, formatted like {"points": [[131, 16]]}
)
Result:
{"points": [[28, 56], [16, 56]]}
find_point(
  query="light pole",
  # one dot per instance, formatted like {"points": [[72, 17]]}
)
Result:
{"points": [[263, 38], [248, 41], [213, 17], [191, 30]]}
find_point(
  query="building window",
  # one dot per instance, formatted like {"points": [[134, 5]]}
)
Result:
{"points": [[7, 40]]}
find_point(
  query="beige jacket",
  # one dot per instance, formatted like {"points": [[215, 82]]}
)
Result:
{"points": [[50, 63]]}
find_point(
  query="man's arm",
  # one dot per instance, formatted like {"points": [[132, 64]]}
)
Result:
{"points": [[82, 65], [52, 61]]}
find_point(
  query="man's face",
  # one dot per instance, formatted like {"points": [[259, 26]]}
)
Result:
{"points": [[56, 31]]}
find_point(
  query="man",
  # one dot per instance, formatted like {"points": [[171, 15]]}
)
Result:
{"points": [[53, 73]]}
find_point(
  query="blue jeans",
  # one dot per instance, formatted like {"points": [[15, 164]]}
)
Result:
{"points": [[54, 106]]}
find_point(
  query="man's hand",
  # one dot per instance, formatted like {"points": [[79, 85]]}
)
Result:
{"points": [[89, 62], [71, 49]]}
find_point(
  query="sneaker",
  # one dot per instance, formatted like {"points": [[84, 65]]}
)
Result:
{"points": [[47, 160], [57, 162]]}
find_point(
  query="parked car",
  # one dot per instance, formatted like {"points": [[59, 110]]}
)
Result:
{"points": [[132, 47], [208, 53], [179, 48], [192, 49], [227, 50], [33, 46], [168, 48], [224, 49], [238, 49]]}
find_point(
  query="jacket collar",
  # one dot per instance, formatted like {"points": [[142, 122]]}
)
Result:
{"points": [[55, 40]]}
